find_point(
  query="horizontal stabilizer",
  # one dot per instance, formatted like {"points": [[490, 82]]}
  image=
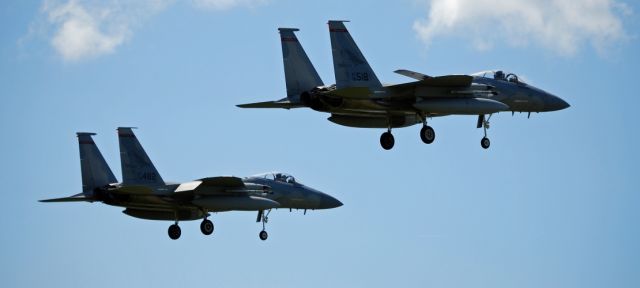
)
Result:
{"points": [[75, 198], [272, 104], [411, 74]]}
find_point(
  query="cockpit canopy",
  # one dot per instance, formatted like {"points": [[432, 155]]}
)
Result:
{"points": [[500, 75], [277, 176]]}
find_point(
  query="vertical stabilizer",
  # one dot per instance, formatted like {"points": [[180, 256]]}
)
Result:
{"points": [[350, 67], [137, 168], [95, 170], [299, 73]]}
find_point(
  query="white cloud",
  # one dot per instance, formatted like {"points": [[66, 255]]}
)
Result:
{"points": [[559, 25], [81, 29], [85, 29], [226, 4], [81, 33]]}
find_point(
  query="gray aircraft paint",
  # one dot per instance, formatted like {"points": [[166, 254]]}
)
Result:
{"points": [[300, 75], [186, 201], [137, 168], [95, 170], [350, 67], [359, 100]]}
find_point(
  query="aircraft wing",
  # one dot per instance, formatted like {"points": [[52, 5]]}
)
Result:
{"points": [[222, 181], [284, 103], [412, 74], [75, 198], [439, 81], [211, 185]]}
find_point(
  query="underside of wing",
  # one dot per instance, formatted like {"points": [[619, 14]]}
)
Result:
{"points": [[284, 104], [75, 198]]}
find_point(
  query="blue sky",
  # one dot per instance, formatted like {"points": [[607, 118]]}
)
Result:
{"points": [[553, 203]]}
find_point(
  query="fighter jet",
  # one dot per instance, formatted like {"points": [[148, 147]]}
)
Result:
{"points": [[359, 99], [144, 194]]}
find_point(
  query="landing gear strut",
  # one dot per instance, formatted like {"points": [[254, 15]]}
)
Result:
{"points": [[386, 140], [484, 123], [264, 218]]}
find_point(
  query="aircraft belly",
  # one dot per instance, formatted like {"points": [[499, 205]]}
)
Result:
{"points": [[372, 107], [241, 203], [151, 214], [374, 121], [461, 106]]}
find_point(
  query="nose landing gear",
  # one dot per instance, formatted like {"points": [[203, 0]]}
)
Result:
{"points": [[264, 218], [484, 123]]}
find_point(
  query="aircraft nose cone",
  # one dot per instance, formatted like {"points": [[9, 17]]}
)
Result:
{"points": [[329, 202], [564, 104], [555, 103]]}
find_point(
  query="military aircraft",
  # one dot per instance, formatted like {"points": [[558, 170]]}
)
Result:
{"points": [[145, 195], [358, 99]]}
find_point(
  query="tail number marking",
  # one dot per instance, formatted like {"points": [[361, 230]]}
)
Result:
{"points": [[360, 76]]}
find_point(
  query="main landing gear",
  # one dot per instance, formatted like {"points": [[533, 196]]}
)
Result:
{"points": [[174, 231], [264, 218], [206, 227], [386, 140], [484, 123], [427, 134]]}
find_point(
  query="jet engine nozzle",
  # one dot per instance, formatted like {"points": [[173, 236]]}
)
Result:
{"points": [[311, 99]]}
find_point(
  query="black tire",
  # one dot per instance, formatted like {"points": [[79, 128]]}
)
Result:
{"points": [[427, 134], [387, 141], [206, 227], [174, 231], [263, 235], [485, 143]]}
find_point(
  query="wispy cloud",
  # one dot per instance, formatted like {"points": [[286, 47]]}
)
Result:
{"points": [[226, 4], [559, 25], [82, 29]]}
